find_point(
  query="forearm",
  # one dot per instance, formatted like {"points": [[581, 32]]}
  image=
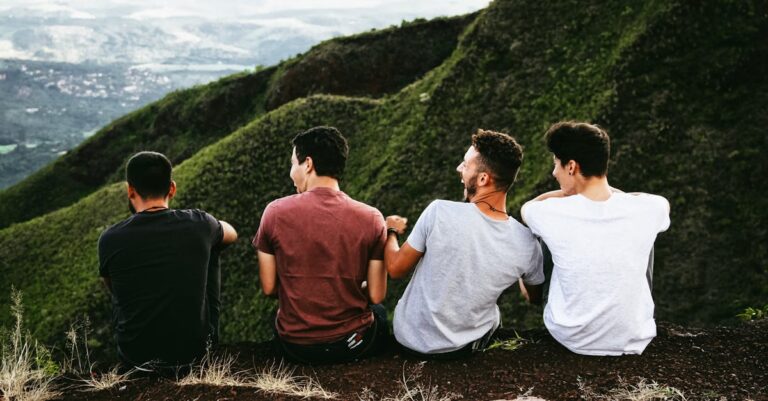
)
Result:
{"points": [[551, 194], [391, 251]]}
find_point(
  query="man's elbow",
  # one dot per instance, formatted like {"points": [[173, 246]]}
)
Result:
{"points": [[376, 298], [269, 290], [230, 234]]}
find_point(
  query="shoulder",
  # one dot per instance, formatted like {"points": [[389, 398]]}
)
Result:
{"points": [[363, 207], [446, 206], [114, 230], [284, 203], [651, 201], [520, 231], [194, 215], [536, 206]]}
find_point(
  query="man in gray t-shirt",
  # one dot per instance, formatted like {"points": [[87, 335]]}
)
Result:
{"points": [[465, 255]]}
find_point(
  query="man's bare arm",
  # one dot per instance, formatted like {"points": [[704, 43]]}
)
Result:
{"points": [[268, 273], [399, 261], [377, 281], [230, 235], [532, 293]]}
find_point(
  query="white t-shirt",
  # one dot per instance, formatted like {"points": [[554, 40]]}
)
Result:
{"points": [[469, 260], [599, 299]]}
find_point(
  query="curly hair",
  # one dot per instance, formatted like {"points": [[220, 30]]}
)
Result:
{"points": [[327, 148], [500, 156]]}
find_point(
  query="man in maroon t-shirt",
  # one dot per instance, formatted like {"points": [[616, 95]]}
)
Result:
{"points": [[321, 252]]}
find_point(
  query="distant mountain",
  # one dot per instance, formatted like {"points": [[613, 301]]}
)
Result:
{"points": [[680, 86], [48, 108], [66, 71]]}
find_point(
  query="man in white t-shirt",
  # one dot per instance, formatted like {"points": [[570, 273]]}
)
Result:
{"points": [[465, 255], [600, 238]]}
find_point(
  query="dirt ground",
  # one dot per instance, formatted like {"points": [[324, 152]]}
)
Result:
{"points": [[728, 363]]}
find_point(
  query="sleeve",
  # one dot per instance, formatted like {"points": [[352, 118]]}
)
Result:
{"points": [[534, 271], [102, 249], [216, 230], [663, 213], [376, 251], [423, 227], [263, 239], [531, 213]]}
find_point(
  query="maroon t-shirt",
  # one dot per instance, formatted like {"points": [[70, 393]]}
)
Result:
{"points": [[322, 241]]}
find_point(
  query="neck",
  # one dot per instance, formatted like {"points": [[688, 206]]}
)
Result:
{"points": [[492, 203], [150, 204], [595, 188], [322, 182]]}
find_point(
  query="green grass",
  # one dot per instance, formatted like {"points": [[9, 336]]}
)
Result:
{"points": [[182, 123], [677, 85]]}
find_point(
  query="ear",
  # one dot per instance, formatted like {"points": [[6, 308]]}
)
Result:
{"points": [[172, 190], [132, 194], [484, 179], [572, 167], [309, 165]]}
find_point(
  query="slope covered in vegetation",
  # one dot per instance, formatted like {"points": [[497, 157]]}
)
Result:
{"points": [[680, 86], [186, 121]]}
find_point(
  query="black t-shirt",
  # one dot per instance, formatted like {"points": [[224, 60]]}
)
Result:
{"points": [[158, 263]]}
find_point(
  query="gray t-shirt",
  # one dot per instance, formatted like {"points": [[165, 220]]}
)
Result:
{"points": [[469, 260]]}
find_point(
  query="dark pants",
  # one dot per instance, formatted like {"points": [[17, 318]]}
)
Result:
{"points": [[355, 345], [475, 346]]}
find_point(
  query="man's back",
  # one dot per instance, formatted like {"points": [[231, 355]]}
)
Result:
{"points": [[157, 263], [469, 260], [322, 241], [599, 299]]}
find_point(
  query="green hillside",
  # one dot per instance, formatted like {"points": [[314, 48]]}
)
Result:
{"points": [[186, 121], [680, 86]]}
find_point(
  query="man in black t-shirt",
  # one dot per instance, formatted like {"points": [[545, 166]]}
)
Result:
{"points": [[161, 267]]}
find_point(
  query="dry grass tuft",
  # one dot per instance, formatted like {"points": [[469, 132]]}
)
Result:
{"points": [[105, 381], [411, 389], [643, 391], [22, 363], [279, 379], [273, 379], [215, 371]]}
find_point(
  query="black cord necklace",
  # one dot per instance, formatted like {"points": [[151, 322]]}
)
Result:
{"points": [[154, 207], [493, 209]]}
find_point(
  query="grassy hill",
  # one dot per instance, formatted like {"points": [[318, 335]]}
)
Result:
{"points": [[680, 86], [186, 121]]}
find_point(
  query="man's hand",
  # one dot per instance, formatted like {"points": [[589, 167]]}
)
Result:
{"points": [[398, 223]]}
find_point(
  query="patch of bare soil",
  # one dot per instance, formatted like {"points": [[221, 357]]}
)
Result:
{"points": [[727, 363]]}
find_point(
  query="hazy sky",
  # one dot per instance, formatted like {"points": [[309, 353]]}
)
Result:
{"points": [[234, 9]]}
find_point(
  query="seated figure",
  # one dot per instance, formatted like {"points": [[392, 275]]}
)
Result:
{"points": [[321, 253], [465, 254], [161, 267], [599, 300]]}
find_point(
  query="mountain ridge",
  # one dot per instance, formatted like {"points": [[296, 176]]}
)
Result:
{"points": [[645, 74]]}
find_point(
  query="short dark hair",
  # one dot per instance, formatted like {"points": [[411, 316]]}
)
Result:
{"points": [[150, 174], [500, 155], [327, 148], [586, 144]]}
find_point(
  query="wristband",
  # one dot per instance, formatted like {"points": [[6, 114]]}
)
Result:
{"points": [[393, 231]]}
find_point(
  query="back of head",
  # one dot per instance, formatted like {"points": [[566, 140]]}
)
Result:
{"points": [[150, 174], [500, 155], [586, 144], [327, 148]]}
